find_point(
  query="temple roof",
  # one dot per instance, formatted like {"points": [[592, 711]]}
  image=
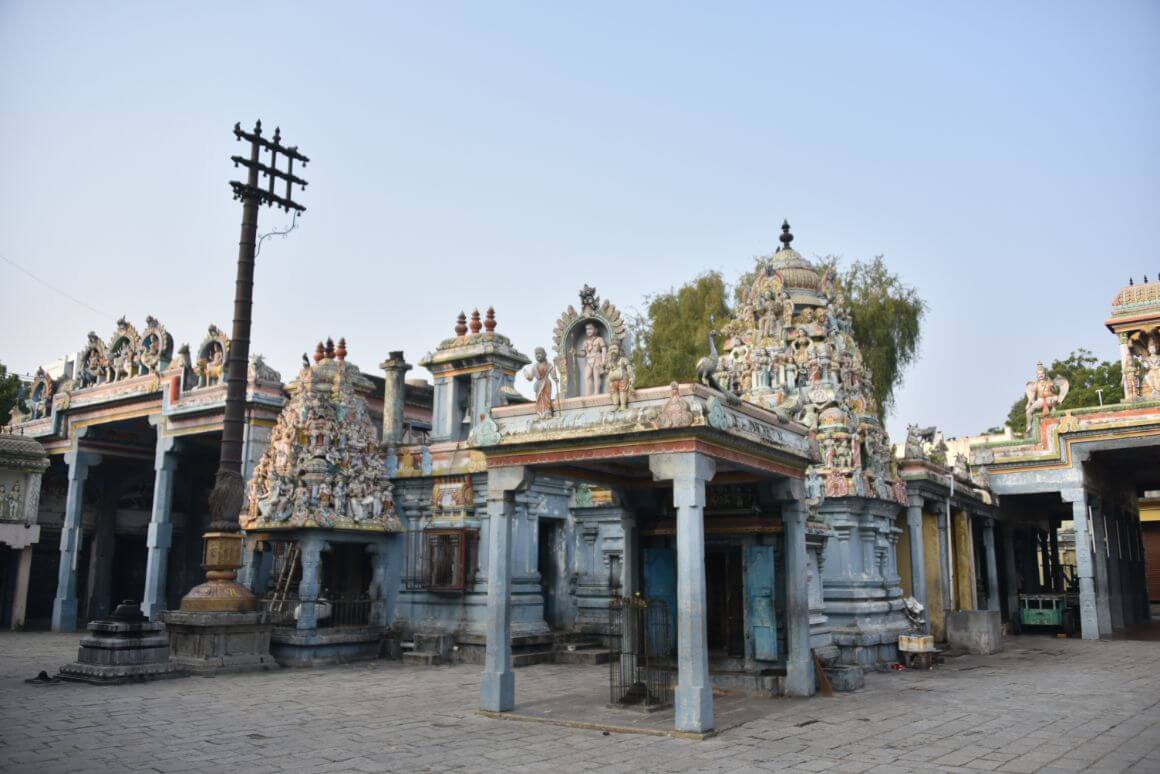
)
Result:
{"points": [[1135, 300]]}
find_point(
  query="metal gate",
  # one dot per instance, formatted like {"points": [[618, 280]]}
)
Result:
{"points": [[641, 647]]}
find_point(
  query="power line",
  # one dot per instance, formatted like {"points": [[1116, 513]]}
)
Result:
{"points": [[52, 287]]}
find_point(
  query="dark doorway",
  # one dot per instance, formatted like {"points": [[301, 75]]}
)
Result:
{"points": [[723, 586], [129, 569], [550, 548]]}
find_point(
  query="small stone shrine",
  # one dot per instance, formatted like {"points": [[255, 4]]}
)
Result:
{"points": [[125, 647]]}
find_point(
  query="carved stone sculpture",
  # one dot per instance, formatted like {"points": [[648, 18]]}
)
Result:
{"points": [[1044, 394], [323, 466], [621, 378], [593, 350], [1150, 372], [543, 376]]}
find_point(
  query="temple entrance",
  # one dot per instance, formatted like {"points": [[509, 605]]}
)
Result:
{"points": [[724, 596], [550, 547]]}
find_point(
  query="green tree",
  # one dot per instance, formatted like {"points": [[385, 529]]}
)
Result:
{"points": [[887, 317], [1086, 374], [886, 313], [674, 331], [9, 392]]}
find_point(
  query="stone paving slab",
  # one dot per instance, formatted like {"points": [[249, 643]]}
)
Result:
{"points": [[1041, 705]]}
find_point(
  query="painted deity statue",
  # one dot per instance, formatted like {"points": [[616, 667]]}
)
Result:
{"points": [[621, 378], [594, 351], [1044, 394], [1150, 366], [543, 375]]}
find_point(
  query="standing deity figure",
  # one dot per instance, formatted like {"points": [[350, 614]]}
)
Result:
{"points": [[621, 378], [1150, 383], [542, 374], [1044, 394], [593, 350]]}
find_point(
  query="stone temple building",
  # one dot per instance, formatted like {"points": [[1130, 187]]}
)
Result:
{"points": [[732, 533]]}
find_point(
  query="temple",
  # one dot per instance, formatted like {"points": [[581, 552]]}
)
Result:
{"points": [[736, 533]]}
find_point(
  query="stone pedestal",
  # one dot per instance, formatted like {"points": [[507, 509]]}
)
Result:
{"points": [[211, 643], [975, 631], [294, 648], [126, 647]]}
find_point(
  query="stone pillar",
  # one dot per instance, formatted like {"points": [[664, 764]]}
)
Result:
{"points": [[917, 552], [394, 398], [993, 602], [1099, 564], [1089, 623], [630, 562], [1053, 544], [20, 592], [497, 690], [944, 560], [64, 607], [101, 550], [690, 472], [378, 589], [251, 566], [799, 679], [1115, 569], [1011, 572], [308, 587], [160, 526]]}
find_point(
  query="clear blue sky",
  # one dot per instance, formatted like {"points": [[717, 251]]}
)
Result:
{"points": [[1003, 156]]}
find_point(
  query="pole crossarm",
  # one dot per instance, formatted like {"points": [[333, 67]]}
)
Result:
{"points": [[250, 190]]}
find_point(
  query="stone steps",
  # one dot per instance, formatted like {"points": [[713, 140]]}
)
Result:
{"points": [[420, 658], [581, 651], [528, 658]]}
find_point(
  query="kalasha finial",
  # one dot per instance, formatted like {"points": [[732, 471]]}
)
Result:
{"points": [[785, 237], [1130, 282], [341, 351], [329, 348], [461, 325], [476, 325], [489, 322], [319, 353]]}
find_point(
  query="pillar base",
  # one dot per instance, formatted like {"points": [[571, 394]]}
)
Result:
{"points": [[497, 691], [211, 643], [64, 615], [694, 708]]}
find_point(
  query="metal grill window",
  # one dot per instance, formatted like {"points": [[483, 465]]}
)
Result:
{"points": [[441, 559]]}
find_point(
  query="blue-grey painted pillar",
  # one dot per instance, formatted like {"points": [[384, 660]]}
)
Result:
{"points": [[689, 472], [1098, 544], [917, 553], [64, 607], [1010, 572], [251, 565], [309, 586], [160, 526], [497, 690], [1089, 623], [378, 590], [799, 678], [993, 602]]}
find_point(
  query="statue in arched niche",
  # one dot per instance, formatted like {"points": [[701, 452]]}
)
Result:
{"points": [[211, 357], [583, 340]]}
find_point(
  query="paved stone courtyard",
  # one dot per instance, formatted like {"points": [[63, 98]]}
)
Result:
{"points": [[1042, 705]]}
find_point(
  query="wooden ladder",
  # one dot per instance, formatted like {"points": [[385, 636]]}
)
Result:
{"points": [[285, 578]]}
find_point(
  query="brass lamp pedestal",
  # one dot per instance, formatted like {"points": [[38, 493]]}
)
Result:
{"points": [[221, 593]]}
